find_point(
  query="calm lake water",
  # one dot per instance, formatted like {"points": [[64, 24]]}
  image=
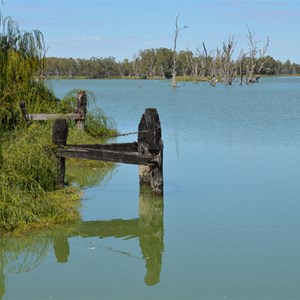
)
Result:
{"points": [[227, 226]]}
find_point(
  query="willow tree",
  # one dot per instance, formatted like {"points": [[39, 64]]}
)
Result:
{"points": [[21, 68]]}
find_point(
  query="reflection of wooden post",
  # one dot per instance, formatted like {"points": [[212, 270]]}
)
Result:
{"points": [[59, 138], [61, 249], [151, 233], [150, 143], [2, 283], [81, 109]]}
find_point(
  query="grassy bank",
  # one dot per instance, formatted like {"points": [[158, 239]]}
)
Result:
{"points": [[29, 196]]}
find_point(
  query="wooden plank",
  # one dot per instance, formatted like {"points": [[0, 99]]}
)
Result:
{"points": [[127, 147], [105, 155], [45, 117]]}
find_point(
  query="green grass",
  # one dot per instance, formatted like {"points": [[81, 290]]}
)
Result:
{"points": [[29, 196]]}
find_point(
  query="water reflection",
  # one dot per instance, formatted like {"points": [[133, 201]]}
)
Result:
{"points": [[151, 234], [85, 176], [23, 254]]}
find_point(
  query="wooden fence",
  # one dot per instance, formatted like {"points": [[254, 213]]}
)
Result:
{"points": [[147, 152], [78, 115]]}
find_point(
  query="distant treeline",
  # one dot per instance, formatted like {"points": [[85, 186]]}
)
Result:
{"points": [[158, 63]]}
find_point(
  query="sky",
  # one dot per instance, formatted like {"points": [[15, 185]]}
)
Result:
{"points": [[120, 29]]}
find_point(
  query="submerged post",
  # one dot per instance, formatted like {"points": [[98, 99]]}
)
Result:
{"points": [[81, 109], [150, 143], [59, 138]]}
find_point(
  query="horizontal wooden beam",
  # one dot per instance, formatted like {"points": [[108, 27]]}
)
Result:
{"points": [[127, 147], [45, 117], [105, 155]]}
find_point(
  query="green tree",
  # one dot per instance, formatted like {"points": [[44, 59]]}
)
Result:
{"points": [[163, 62], [147, 64], [21, 70]]}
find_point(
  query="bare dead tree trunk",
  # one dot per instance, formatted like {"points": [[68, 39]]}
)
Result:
{"points": [[211, 65], [193, 63], [255, 54], [240, 62], [202, 62], [262, 54], [174, 71], [227, 67]]}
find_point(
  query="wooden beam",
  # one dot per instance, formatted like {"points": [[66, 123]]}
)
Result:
{"points": [[105, 155], [127, 147], [45, 117]]}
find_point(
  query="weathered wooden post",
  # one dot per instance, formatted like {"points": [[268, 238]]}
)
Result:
{"points": [[23, 109], [59, 138], [150, 143], [81, 109]]}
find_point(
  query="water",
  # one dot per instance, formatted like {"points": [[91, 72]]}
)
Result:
{"points": [[227, 227]]}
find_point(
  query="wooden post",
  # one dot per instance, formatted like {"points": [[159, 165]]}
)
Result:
{"points": [[81, 109], [23, 109], [59, 138], [150, 143]]}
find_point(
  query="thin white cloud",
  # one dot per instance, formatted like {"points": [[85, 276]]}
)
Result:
{"points": [[88, 38]]}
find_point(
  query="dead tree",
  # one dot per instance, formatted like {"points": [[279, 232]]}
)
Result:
{"points": [[210, 65], [227, 69], [240, 65], [174, 71], [193, 63], [202, 62], [253, 68]]}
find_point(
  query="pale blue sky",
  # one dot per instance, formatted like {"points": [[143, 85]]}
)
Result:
{"points": [[87, 28]]}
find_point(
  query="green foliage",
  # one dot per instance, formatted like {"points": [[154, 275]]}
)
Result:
{"points": [[21, 72], [98, 124]]}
